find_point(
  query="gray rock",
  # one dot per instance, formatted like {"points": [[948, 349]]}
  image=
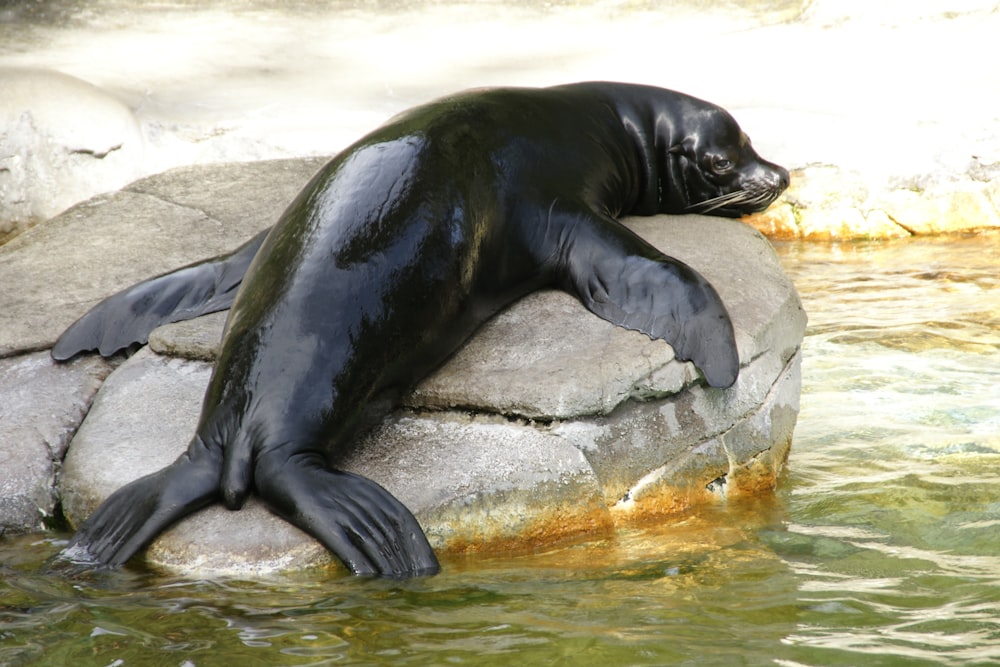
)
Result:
{"points": [[522, 362], [642, 437], [62, 140], [141, 420], [244, 196], [42, 405], [54, 272], [548, 424], [493, 483], [481, 483], [193, 339], [549, 358]]}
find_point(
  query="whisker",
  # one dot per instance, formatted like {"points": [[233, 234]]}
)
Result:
{"points": [[715, 202], [738, 197], [750, 198]]}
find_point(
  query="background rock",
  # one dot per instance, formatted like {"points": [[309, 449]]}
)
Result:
{"points": [[890, 96], [62, 140], [827, 203]]}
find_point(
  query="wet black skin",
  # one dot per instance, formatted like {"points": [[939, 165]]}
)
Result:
{"points": [[389, 259]]}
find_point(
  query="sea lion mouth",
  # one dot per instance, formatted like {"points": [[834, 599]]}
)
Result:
{"points": [[735, 204]]}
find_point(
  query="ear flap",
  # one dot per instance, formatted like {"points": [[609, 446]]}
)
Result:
{"points": [[685, 147]]}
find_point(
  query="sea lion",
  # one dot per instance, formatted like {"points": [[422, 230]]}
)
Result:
{"points": [[391, 257]]}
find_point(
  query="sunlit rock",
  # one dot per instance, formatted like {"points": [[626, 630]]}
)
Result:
{"points": [[62, 140], [777, 222], [826, 203], [943, 208]]}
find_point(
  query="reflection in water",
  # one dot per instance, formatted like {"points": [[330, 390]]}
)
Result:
{"points": [[880, 547]]}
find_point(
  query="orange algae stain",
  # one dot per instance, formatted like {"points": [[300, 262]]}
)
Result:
{"points": [[777, 222], [520, 530], [544, 530], [662, 500], [755, 478], [760, 474]]}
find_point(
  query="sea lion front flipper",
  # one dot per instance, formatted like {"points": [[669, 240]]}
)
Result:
{"points": [[352, 516], [130, 315], [136, 513], [623, 279]]}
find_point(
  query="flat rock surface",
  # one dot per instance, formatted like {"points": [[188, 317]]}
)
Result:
{"points": [[548, 424], [55, 272]]}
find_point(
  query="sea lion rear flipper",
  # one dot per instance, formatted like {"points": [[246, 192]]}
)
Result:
{"points": [[623, 279], [352, 516], [139, 511], [130, 315]]}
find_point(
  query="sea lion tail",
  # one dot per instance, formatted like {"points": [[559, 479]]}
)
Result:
{"points": [[237, 472], [133, 515], [129, 316], [360, 522]]}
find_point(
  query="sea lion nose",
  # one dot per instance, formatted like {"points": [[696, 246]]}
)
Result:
{"points": [[780, 178]]}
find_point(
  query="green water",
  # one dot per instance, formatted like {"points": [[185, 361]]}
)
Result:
{"points": [[879, 548]]}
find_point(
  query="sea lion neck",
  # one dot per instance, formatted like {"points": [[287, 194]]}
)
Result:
{"points": [[649, 116]]}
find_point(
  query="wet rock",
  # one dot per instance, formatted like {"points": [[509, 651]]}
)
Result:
{"points": [[43, 404], [480, 483], [494, 484], [141, 421], [549, 424], [62, 140], [529, 435]]}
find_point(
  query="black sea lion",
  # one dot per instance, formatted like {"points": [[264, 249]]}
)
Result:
{"points": [[392, 255]]}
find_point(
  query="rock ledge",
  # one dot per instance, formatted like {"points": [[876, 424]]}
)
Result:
{"points": [[550, 423]]}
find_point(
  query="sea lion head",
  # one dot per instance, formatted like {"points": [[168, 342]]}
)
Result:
{"points": [[714, 169]]}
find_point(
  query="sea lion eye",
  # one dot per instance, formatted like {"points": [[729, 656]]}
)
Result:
{"points": [[721, 165]]}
